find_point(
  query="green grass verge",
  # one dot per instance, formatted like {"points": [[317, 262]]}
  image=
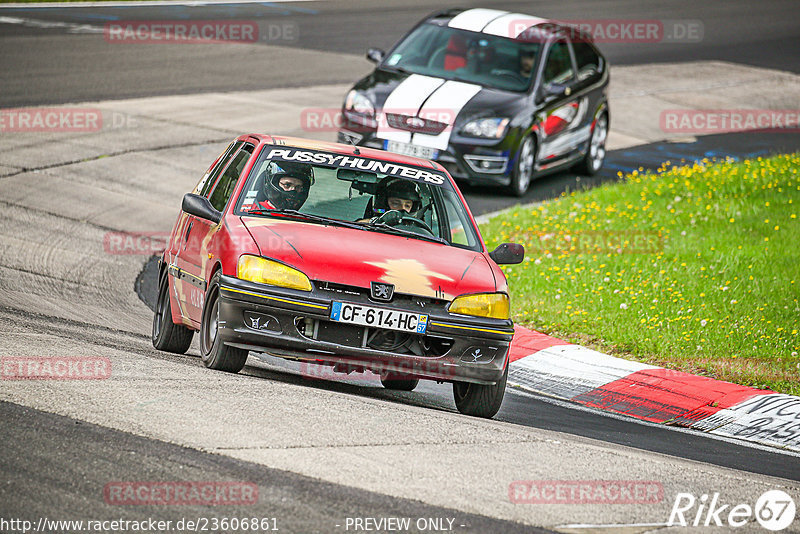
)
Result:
{"points": [[694, 268]]}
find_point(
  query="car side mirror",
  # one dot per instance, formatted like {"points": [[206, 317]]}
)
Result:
{"points": [[508, 253], [552, 91], [375, 55], [200, 207]]}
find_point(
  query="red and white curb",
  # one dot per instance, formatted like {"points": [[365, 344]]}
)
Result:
{"points": [[547, 365]]}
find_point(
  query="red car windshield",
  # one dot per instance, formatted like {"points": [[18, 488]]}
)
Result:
{"points": [[374, 194]]}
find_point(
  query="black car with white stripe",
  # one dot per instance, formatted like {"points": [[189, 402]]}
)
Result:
{"points": [[495, 97]]}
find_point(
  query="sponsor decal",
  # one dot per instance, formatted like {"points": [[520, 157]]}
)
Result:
{"points": [[354, 162]]}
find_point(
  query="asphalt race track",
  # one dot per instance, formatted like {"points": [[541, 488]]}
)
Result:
{"points": [[319, 451]]}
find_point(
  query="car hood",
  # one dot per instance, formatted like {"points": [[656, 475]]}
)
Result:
{"points": [[448, 101], [358, 257]]}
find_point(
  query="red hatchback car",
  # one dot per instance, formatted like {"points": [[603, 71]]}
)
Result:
{"points": [[338, 255]]}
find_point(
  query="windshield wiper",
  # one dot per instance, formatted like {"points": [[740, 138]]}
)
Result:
{"points": [[383, 227], [308, 217]]}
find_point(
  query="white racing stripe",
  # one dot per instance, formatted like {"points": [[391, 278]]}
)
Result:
{"points": [[512, 25], [446, 102], [406, 99], [475, 20]]}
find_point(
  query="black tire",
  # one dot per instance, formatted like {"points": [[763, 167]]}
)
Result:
{"points": [[167, 335], [522, 175], [479, 400], [215, 354], [398, 382], [592, 162]]}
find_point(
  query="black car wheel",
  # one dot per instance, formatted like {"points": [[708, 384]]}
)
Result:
{"points": [[523, 170], [167, 335], [399, 382], [480, 400], [215, 354], [596, 155]]}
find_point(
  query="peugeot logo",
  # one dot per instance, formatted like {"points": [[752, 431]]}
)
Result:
{"points": [[415, 122], [382, 292]]}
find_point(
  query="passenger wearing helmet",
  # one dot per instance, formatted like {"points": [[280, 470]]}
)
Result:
{"points": [[286, 186], [396, 194]]}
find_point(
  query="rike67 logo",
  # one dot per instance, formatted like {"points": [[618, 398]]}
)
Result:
{"points": [[774, 510]]}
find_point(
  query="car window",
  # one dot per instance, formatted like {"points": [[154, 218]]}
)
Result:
{"points": [[589, 63], [358, 192], [466, 56], [227, 183], [205, 185], [558, 66]]}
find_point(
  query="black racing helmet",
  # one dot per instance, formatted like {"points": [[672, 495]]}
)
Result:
{"points": [[396, 188], [280, 198]]}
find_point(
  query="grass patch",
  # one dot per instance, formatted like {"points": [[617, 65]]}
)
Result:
{"points": [[694, 268]]}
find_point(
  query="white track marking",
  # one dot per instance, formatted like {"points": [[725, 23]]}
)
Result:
{"points": [[549, 399], [50, 24], [567, 371]]}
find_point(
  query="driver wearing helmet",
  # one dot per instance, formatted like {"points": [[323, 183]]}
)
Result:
{"points": [[286, 186], [396, 194]]}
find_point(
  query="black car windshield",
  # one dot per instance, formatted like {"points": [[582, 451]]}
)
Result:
{"points": [[455, 54], [348, 190]]}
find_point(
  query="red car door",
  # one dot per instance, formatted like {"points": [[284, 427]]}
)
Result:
{"points": [[179, 287], [193, 258]]}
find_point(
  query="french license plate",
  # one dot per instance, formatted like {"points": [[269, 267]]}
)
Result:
{"points": [[407, 149], [344, 312]]}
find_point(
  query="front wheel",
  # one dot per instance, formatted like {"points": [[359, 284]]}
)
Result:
{"points": [[480, 400], [596, 154], [167, 335], [215, 354], [523, 169]]}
